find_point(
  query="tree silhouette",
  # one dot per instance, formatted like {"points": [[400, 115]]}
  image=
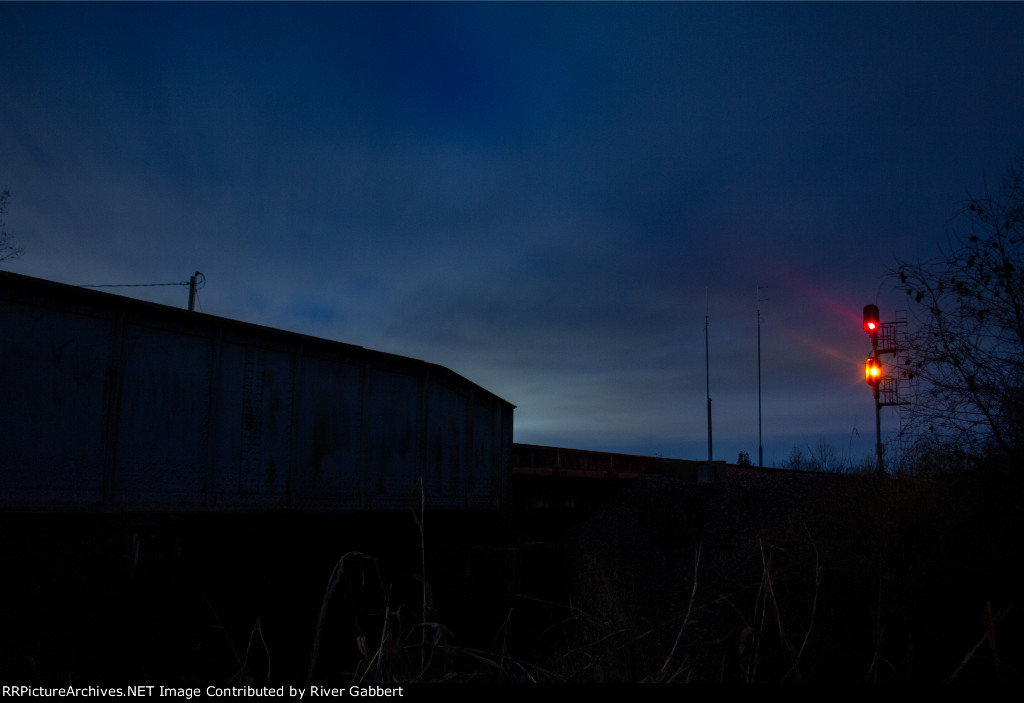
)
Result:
{"points": [[966, 356], [8, 251]]}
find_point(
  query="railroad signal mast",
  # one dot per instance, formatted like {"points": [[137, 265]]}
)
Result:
{"points": [[886, 338]]}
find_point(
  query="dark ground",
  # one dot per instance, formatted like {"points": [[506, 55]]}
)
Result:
{"points": [[805, 577], [761, 576]]}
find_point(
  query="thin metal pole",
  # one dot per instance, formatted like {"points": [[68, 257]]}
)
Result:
{"points": [[878, 410], [192, 293], [878, 433], [707, 375], [760, 450]]}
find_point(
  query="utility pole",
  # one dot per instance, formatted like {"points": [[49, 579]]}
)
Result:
{"points": [[195, 282]]}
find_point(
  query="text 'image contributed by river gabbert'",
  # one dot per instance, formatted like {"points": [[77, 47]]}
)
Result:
{"points": [[190, 693]]}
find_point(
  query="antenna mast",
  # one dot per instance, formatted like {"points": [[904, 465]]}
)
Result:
{"points": [[707, 365], [760, 449]]}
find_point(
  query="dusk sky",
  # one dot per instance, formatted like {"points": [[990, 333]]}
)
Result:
{"points": [[546, 198]]}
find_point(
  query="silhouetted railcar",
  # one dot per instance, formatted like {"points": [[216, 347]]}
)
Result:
{"points": [[560, 462], [113, 404]]}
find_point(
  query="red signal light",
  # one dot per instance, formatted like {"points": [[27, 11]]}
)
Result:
{"points": [[871, 323], [873, 371]]}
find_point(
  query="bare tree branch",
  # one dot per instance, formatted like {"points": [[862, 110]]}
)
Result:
{"points": [[966, 354], [8, 251]]}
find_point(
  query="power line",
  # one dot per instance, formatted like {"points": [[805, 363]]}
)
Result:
{"points": [[194, 284], [132, 285]]}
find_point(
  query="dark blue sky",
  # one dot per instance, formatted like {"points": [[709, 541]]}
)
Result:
{"points": [[546, 198]]}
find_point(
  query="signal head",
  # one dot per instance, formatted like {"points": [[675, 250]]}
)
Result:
{"points": [[871, 323], [873, 371]]}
